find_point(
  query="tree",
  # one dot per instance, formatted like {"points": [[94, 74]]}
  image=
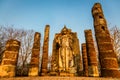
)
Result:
{"points": [[1, 44], [115, 36], [25, 51], [25, 37]]}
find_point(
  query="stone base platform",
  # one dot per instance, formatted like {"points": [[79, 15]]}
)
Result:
{"points": [[58, 78], [66, 74], [53, 74]]}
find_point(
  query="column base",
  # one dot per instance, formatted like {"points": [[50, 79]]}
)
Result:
{"points": [[53, 74], [33, 71], [44, 72], [93, 71], [64, 74], [110, 73], [7, 71]]}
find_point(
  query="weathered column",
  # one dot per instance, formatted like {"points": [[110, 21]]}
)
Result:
{"points": [[77, 57], [85, 60], [9, 61], [91, 53], [34, 64], [107, 56], [55, 58], [45, 51]]}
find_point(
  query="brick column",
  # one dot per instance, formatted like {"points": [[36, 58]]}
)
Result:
{"points": [[107, 56], [85, 60], [55, 59], [76, 50], [91, 53], [34, 64], [9, 61], [45, 51]]}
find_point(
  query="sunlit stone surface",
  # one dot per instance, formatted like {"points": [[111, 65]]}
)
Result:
{"points": [[34, 64], [66, 53], [91, 55], [107, 56], [44, 64], [9, 61], [85, 60]]}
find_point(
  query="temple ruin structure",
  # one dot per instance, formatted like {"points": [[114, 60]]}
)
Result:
{"points": [[85, 60], [34, 64], [107, 56], [66, 59], [9, 61], [66, 53], [91, 54], [44, 64]]}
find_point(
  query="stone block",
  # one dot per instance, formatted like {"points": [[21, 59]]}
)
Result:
{"points": [[7, 71], [33, 71]]}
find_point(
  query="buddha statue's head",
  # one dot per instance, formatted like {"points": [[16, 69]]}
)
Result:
{"points": [[65, 30]]}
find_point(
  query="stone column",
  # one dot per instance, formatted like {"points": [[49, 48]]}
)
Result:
{"points": [[107, 56], [34, 64], [77, 57], [91, 53], [45, 51], [9, 61], [55, 58], [85, 60]]}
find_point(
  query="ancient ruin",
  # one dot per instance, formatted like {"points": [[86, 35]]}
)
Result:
{"points": [[91, 54], [9, 61], [85, 60], [107, 56], [66, 53], [34, 64], [44, 64], [66, 57]]}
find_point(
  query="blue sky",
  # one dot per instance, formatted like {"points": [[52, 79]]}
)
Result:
{"points": [[75, 14]]}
